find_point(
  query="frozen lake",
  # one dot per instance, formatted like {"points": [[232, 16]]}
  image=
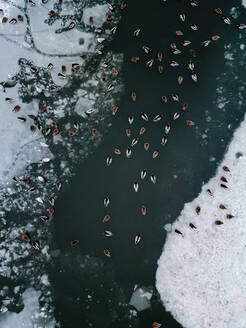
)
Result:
{"points": [[80, 285]]}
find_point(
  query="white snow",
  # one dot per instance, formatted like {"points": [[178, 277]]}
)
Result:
{"points": [[30, 317], [98, 13], [244, 3], [201, 275]]}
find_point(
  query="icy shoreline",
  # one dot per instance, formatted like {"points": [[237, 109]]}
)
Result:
{"points": [[201, 273], [28, 47]]}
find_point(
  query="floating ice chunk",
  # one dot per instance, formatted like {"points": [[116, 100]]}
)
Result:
{"points": [[46, 160], [168, 227], [100, 40], [45, 280], [141, 298], [39, 199], [201, 274], [82, 105]]}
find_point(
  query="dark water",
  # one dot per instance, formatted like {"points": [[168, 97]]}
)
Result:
{"points": [[181, 167]]}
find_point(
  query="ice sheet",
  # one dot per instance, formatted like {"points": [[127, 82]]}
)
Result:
{"points": [[201, 273]]}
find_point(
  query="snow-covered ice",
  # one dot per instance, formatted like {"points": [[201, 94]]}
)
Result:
{"points": [[30, 317], [98, 13], [47, 46], [201, 273], [17, 152]]}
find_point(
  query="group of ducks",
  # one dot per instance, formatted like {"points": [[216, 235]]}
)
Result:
{"points": [[158, 117], [175, 51]]}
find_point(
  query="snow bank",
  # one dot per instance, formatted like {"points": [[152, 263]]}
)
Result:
{"points": [[201, 273]]}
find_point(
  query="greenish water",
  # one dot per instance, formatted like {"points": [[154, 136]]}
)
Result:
{"points": [[187, 161], [184, 163]]}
